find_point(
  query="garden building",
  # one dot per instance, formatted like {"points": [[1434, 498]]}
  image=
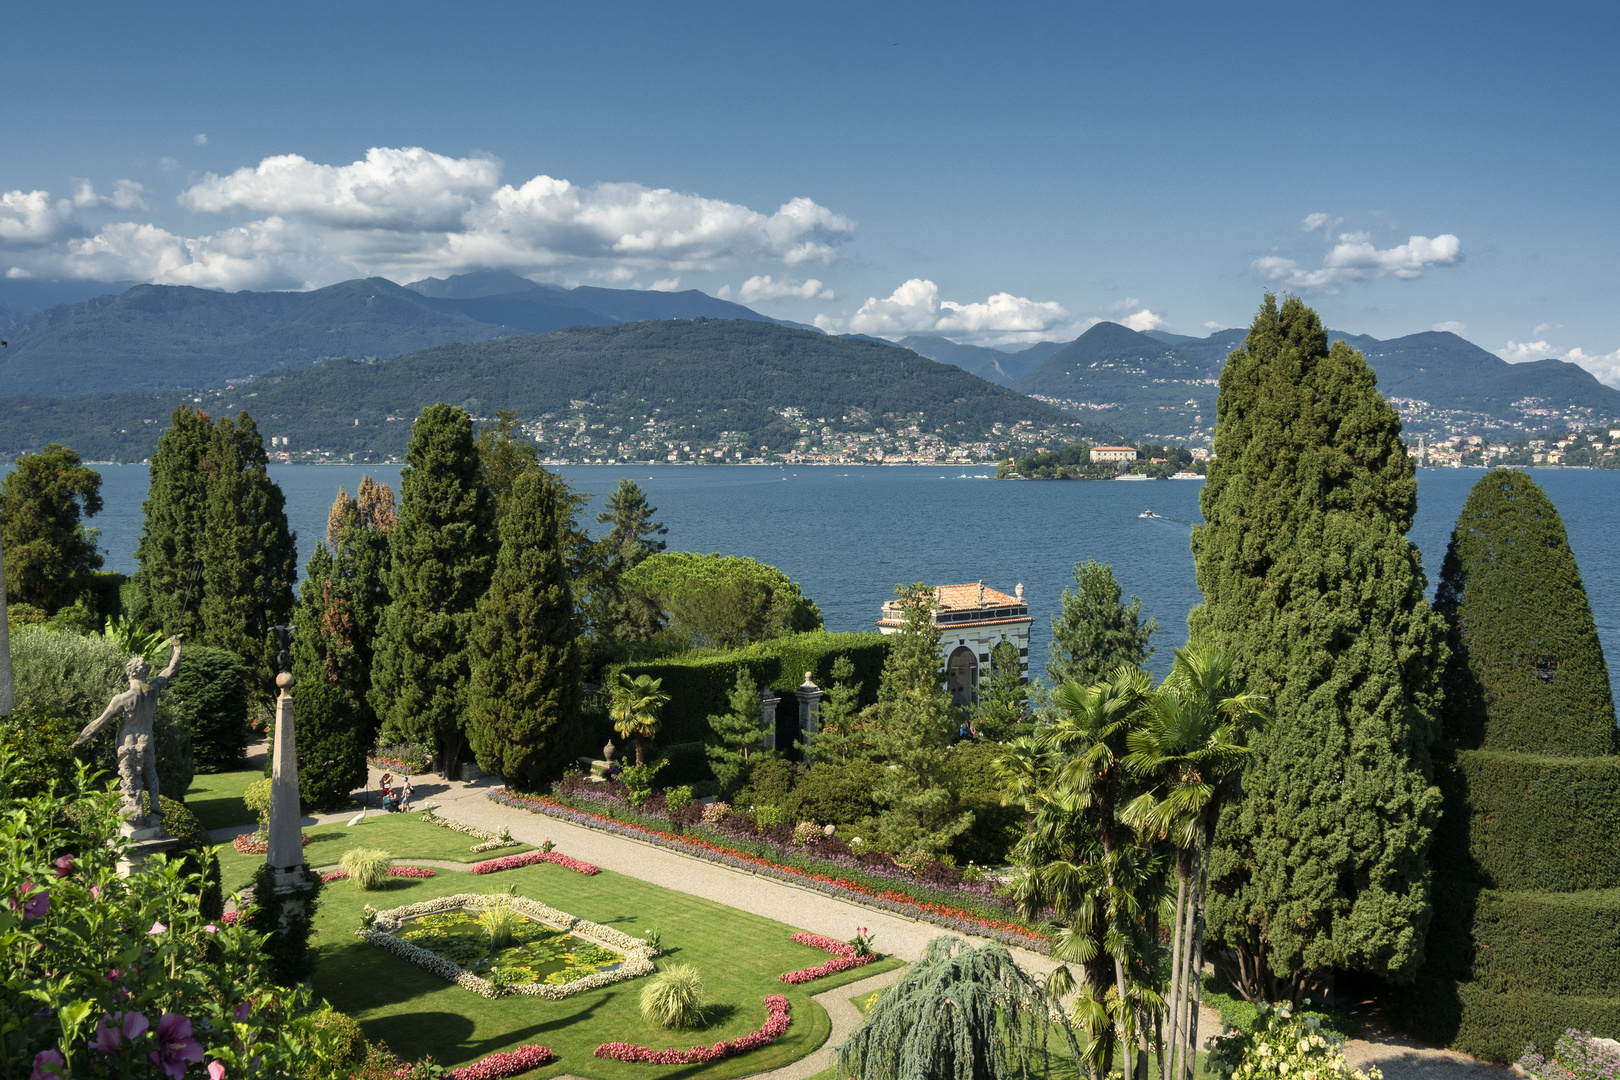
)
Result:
{"points": [[972, 618]]}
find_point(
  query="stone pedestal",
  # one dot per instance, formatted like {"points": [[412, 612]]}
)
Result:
{"points": [[285, 852], [767, 717], [144, 843], [809, 695]]}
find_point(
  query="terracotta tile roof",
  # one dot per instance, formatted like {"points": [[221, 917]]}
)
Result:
{"points": [[961, 597]]}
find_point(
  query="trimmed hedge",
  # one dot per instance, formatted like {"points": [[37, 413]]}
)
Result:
{"points": [[699, 684], [1530, 822], [1552, 943], [1498, 1025]]}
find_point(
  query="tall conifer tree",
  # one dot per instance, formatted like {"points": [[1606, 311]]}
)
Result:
{"points": [[1527, 860], [442, 552], [1309, 580], [617, 613], [173, 537], [523, 702], [250, 557], [1095, 631]]}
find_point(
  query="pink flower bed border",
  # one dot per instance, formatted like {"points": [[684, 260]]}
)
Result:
{"points": [[844, 959], [500, 1066], [529, 858], [243, 843], [393, 871], [775, 1024]]}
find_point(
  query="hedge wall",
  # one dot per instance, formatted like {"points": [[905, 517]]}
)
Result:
{"points": [[699, 684], [1497, 1026], [1529, 822]]}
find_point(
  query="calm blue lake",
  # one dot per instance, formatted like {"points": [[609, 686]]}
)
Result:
{"points": [[848, 535]]}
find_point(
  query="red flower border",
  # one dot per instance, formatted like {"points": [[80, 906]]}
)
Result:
{"points": [[776, 1023]]}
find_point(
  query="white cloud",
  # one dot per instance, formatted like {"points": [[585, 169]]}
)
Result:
{"points": [[1450, 327], [200, 140], [408, 212], [1355, 258], [764, 287], [915, 307], [1213, 326], [1142, 318], [665, 285], [17, 272], [1542, 328], [1606, 366], [1312, 222]]}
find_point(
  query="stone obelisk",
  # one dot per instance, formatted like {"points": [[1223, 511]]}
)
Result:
{"points": [[285, 852], [6, 701]]}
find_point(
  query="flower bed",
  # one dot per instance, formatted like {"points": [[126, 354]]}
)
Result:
{"points": [[490, 841], [804, 870], [776, 1023], [637, 953], [500, 1066], [393, 871], [844, 958], [258, 843], [529, 858]]}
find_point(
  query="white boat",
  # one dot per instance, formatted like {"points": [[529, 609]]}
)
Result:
{"points": [[1187, 476], [1147, 514]]}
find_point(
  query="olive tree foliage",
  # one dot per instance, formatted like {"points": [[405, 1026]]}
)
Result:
{"points": [[1309, 581], [959, 1013], [50, 554]]}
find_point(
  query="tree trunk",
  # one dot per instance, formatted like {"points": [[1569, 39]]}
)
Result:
{"points": [[638, 749], [1197, 955], [1177, 942]]}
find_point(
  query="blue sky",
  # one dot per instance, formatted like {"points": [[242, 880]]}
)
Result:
{"points": [[996, 173]]}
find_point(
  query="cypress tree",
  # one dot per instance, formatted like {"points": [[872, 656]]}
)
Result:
{"points": [[1309, 581], [441, 555], [523, 702], [51, 556], [1527, 860], [173, 536], [250, 558]]}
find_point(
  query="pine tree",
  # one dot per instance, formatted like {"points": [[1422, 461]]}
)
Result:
{"points": [[50, 555], [173, 540], [1003, 711], [250, 557], [1095, 632], [618, 614], [523, 701], [740, 731], [441, 555], [914, 721], [503, 456], [1310, 583], [840, 736], [1526, 862]]}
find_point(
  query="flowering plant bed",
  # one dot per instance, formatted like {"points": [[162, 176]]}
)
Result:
{"points": [[257, 843], [529, 858], [393, 871], [844, 958], [776, 1023], [500, 1066], [963, 910], [439, 946], [490, 841]]}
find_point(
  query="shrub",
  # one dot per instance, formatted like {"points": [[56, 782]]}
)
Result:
{"points": [[209, 694], [366, 867], [1282, 1045], [970, 776], [770, 781], [685, 763], [639, 779], [182, 824], [257, 798], [40, 747], [339, 1044], [716, 812], [331, 750], [840, 793], [677, 799], [769, 816], [674, 998]]}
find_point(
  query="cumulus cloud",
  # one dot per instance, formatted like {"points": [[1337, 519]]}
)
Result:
{"points": [[1606, 366], [1354, 257], [1450, 327], [1132, 313], [665, 285], [1213, 326], [408, 212], [764, 287], [915, 307], [200, 140], [34, 218], [1312, 222]]}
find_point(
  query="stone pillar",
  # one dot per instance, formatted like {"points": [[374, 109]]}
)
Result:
{"points": [[767, 717], [286, 849], [809, 695], [6, 701]]}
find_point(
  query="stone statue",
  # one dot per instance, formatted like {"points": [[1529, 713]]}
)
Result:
{"points": [[137, 755]]}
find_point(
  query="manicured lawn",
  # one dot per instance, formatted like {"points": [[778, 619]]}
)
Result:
{"points": [[216, 798], [404, 836], [415, 1013]]}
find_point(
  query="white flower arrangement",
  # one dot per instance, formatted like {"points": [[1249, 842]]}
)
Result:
{"points": [[491, 841], [638, 955]]}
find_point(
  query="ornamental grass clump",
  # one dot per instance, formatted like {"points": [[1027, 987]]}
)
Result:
{"points": [[1283, 1045], [674, 998], [366, 867], [500, 924]]}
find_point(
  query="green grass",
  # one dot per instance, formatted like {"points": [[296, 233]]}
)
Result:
{"points": [[216, 798], [738, 955], [404, 836]]}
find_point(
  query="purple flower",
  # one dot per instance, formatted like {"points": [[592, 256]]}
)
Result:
{"points": [[114, 1028], [64, 866], [35, 907], [51, 1058], [241, 1012], [210, 929], [175, 1046]]}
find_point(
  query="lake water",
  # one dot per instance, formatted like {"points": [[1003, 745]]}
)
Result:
{"points": [[848, 535]]}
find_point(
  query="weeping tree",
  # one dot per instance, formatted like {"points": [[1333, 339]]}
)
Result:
{"points": [[959, 1013]]}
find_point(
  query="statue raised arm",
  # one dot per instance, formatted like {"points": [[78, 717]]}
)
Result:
{"points": [[136, 750]]}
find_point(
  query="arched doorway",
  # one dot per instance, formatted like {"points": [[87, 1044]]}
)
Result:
{"points": [[961, 676]]}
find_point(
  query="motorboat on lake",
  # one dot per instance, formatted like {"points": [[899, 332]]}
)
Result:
{"points": [[1147, 514]]}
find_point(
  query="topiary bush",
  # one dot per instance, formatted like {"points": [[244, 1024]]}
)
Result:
{"points": [[257, 799], [674, 998], [331, 747], [835, 793], [367, 867], [209, 694]]}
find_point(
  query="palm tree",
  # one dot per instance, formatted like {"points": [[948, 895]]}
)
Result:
{"points": [[1188, 742], [635, 707]]}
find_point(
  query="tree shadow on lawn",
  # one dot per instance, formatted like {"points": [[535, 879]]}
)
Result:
{"points": [[452, 1032]]}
